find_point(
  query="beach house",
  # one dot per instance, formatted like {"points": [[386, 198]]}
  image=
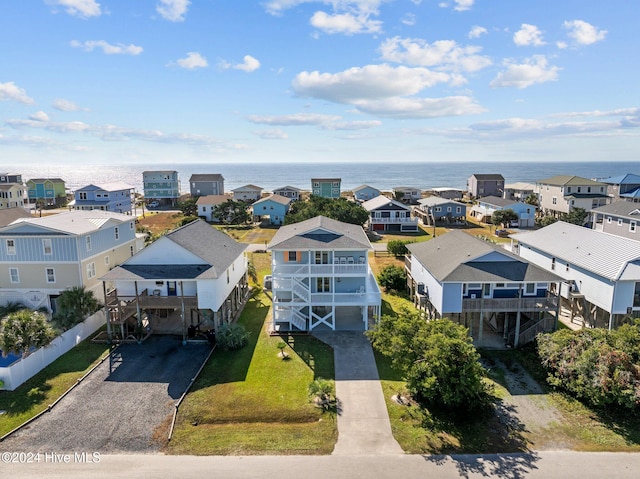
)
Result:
{"points": [[114, 197], [435, 210], [162, 186], [490, 184], [386, 215], [290, 192], [623, 186], [206, 184], [207, 204], [365, 192], [406, 194], [562, 193], [326, 187], [11, 195], [488, 205], [620, 218], [247, 193], [273, 207], [50, 191]]}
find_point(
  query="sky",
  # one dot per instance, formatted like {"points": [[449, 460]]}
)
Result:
{"points": [[203, 81]]}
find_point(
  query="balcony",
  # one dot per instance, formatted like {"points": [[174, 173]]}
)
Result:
{"points": [[549, 303], [127, 304], [393, 221], [321, 269]]}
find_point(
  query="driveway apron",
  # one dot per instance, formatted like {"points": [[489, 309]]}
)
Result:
{"points": [[363, 421]]}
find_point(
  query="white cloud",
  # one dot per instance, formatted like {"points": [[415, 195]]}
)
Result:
{"points": [[416, 108], [443, 54], [409, 19], [107, 48], [534, 70], [528, 35], [39, 116], [173, 10], [352, 125], [346, 23], [79, 8], [66, 105], [626, 112], [274, 134], [249, 64], [296, 119], [368, 82], [476, 31], [192, 61], [10, 91], [584, 33], [458, 5]]}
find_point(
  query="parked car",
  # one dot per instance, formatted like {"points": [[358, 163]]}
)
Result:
{"points": [[153, 204], [502, 233]]}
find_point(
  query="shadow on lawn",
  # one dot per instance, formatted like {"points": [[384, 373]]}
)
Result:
{"points": [[315, 354]]}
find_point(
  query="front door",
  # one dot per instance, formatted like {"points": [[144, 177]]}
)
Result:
{"points": [[172, 289]]}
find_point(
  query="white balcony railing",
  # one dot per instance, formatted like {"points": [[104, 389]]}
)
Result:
{"points": [[321, 269], [393, 220]]}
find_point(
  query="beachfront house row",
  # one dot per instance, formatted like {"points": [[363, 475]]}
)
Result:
{"points": [[602, 271], [206, 184], [273, 207], [365, 193], [207, 204], [490, 184], [11, 195], [247, 193], [447, 192], [51, 191], [407, 194], [290, 192], [623, 186], [326, 187], [10, 178], [114, 197], [189, 281], [486, 206], [42, 256], [501, 298], [562, 193], [435, 210], [519, 191], [387, 215], [321, 278], [162, 186], [620, 218]]}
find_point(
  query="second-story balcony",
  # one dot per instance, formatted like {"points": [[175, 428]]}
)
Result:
{"points": [[321, 269], [378, 221], [548, 303]]}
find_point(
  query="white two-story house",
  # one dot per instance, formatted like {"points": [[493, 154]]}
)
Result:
{"points": [[321, 277], [41, 257], [191, 279]]}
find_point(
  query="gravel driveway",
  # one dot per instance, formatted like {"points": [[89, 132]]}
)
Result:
{"points": [[125, 412]]}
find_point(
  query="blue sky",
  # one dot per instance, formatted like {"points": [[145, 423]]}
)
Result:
{"points": [[178, 81]]}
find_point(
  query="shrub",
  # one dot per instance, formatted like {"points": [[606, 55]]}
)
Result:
{"points": [[397, 247], [232, 336], [23, 330], [393, 277]]}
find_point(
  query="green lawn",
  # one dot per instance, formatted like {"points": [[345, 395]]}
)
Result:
{"points": [[48, 385], [251, 401]]}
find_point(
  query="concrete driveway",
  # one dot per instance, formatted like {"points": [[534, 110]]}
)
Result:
{"points": [[363, 421], [125, 412]]}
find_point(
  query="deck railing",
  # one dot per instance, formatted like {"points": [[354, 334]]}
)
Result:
{"points": [[549, 303]]}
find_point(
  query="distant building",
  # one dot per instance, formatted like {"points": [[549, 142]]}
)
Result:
{"points": [[326, 187], [365, 193], [50, 190], [623, 186], [620, 218], [479, 185], [389, 215], [114, 197], [9, 215], [207, 204], [247, 193], [519, 191], [11, 195], [447, 193], [10, 178], [161, 185], [290, 192], [206, 184], [407, 194], [483, 211], [275, 207], [440, 211], [562, 193]]}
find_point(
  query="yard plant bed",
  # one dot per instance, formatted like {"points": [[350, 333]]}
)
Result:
{"points": [[251, 401]]}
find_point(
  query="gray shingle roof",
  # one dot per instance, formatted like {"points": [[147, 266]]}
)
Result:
{"points": [[380, 201], [275, 198], [436, 201], [320, 233], [601, 253], [488, 176], [206, 177], [496, 201], [457, 257], [627, 209], [133, 272]]}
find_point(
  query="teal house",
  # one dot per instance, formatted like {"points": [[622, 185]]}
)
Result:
{"points": [[275, 207], [326, 187], [50, 190]]}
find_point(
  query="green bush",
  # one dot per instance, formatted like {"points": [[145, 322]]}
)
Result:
{"points": [[393, 278], [232, 336], [397, 247]]}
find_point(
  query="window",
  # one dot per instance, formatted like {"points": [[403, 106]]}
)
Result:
{"points": [[620, 222], [131, 225], [608, 219], [82, 195], [51, 275], [323, 285], [336, 184], [292, 256], [553, 263], [554, 200], [632, 226], [116, 230], [566, 267], [11, 247], [316, 184], [88, 241], [530, 288], [131, 250], [486, 290], [588, 189], [568, 189], [458, 209], [636, 296], [91, 270], [322, 257], [438, 209], [448, 209], [106, 261], [579, 189], [15, 276], [228, 276]]}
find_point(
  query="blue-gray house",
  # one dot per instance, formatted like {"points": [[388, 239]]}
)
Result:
{"points": [[483, 211], [623, 186], [500, 297], [436, 210], [114, 197], [365, 192], [275, 207]]}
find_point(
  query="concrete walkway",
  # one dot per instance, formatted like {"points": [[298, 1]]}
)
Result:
{"points": [[363, 422]]}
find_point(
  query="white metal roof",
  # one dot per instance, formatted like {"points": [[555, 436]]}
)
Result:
{"points": [[601, 253], [75, 222]]}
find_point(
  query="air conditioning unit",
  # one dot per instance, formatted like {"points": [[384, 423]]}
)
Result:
{"points": [[473, 296], [420, 288]]}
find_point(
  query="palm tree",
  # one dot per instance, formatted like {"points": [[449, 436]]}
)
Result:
{"points": [[322, 392], [22, 330], [74, 305]]}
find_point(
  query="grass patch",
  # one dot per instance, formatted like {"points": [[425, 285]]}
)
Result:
{"points": [[48, 385], [250, 233], [251, 401]]}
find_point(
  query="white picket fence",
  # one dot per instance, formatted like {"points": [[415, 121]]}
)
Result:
{"points": [[23, 369]]}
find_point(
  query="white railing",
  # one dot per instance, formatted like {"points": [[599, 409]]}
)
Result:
{"points": [[301, 290], [392, 220], [321, 269]]}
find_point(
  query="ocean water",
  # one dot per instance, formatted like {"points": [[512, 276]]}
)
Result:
{"points": [[382, 175]]}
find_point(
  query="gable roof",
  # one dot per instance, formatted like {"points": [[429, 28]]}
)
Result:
{"points": [[405, 188], [42, 180], [627, 209], [76, 222], [364, 187], [567, 180], [380, 201], [212, 200], [488, 176], [496, 201], [290, 188], [326, 179], [320, 233], [628, 179], [441, 189], [275, 198], [631, 194], [115, 186], [9, 215], [216, 250], [460, 257], [437, 201], [248, 187], [601, 253], [8, 186], [520, 185], [206, 177]]}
